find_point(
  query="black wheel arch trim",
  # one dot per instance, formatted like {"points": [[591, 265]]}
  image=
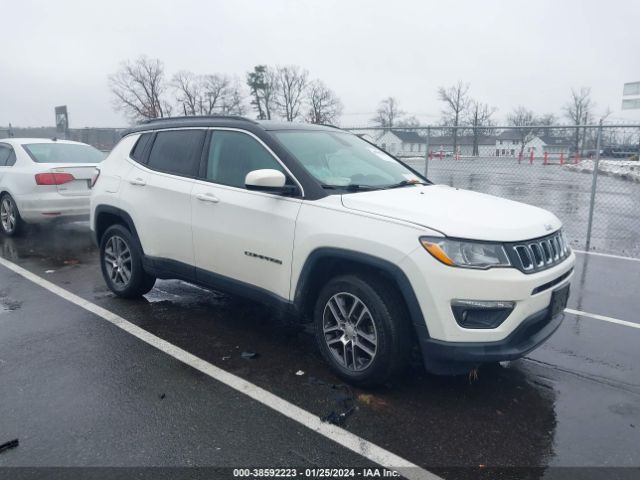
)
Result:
{"points": [[394, 271], [118, 212]]}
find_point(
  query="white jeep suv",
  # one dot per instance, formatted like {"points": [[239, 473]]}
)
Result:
{"points": [[322, 224]]}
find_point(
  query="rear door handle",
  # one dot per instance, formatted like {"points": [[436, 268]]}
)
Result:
{"points": [[207, 197], [138, 181]]}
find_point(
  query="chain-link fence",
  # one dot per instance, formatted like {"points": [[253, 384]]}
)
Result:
{"points": [[548, 166]]}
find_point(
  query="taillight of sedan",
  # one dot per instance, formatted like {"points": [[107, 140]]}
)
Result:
{"points": [[53, 178]]}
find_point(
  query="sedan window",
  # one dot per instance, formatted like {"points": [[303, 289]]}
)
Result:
{"points": [[5, 154], [63, 153]]}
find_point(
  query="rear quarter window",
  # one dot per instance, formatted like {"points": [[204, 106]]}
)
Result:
{"points": [[137, 152]]}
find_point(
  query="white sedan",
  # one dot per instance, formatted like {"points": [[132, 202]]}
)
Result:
{"points": [[43, 180]]}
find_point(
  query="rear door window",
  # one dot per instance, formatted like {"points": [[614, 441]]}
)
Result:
{"points": [[177, 152]]}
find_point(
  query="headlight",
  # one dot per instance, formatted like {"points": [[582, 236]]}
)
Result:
{"points": [[465, 253]]}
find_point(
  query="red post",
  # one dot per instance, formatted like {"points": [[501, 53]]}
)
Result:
{"points": [[546, 158], [576, 159], [561, 158], [430, 155], [531, 158]]}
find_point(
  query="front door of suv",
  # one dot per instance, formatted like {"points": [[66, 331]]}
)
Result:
{"points": [[242, 239]]}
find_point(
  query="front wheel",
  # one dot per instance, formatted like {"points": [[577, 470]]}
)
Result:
{"points": [[121, 262], [10, 220], [362, 330]]}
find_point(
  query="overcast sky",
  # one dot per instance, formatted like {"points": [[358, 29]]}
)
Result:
{"points": [[511, 52]]}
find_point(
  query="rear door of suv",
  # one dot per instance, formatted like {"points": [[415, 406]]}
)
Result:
{"points": [[158, 191], [242, 239]]}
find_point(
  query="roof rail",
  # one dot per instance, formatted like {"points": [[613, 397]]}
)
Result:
{"points": [[197, 117]]}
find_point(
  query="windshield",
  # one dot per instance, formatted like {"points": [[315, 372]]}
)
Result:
{"points": [[63, 153], [343, 160]]}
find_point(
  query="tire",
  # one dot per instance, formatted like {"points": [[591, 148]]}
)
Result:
{"points": [[385, 321], [11, 222], [121, 264]]}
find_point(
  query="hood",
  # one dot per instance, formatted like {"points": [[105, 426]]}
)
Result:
{"points": [[457, 213]]}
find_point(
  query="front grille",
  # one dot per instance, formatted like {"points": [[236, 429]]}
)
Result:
{"points": [[539, 254]]}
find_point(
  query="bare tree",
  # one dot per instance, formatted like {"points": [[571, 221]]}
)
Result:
{"points": [[139, 87], [262, 82], [578, 110], [479, 118], [208, 94], [523, 117], [324, 105], [233, 99], [546, 121], [189, 92], [387, 113], [456, 100], [408, 122], [291, 85]]}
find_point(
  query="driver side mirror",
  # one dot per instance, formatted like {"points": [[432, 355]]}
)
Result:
{"points": [[268, 180]]}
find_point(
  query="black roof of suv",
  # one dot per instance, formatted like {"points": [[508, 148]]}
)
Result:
{"points": [[221, 121]]}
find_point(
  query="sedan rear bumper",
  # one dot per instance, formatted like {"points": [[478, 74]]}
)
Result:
{"points": [[51, 206]]}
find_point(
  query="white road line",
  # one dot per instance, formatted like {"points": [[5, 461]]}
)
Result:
{"points": [[347, 439], [609, 255], [604, 318]]}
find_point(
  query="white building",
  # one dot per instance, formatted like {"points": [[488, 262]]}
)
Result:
{"points": [[509, 144], [402, 143]]}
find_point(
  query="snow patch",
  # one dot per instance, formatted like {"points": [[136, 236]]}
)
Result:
{"points": [[625, 169]]}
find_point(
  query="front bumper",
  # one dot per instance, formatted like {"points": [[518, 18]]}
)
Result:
{"points": [[450, 348], [459, 357]]}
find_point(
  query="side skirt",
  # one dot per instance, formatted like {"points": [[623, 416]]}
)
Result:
{"points": [[172, 270]]}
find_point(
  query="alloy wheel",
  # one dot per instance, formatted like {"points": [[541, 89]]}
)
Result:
{"points": [[8, 215], [349, 331], [117, 260]]}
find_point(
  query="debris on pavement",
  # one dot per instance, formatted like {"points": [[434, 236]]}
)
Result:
{"points": [[226, 357], [49, 271], [343, 398], [9, 445], [299, 373], [249, 355], [372, 401], [162, 396]]}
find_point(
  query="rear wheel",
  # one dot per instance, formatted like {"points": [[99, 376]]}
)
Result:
{"points": [[361, 329], [121, 262], [10, 220]]}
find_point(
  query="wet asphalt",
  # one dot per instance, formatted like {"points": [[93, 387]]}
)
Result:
{"points": [[78, 391]]}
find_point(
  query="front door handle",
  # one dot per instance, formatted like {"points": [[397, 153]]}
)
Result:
{"points": [[138, 181], [207, 197]]}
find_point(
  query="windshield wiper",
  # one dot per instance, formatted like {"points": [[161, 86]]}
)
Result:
{"points": [[404, 183], [352, 187]]}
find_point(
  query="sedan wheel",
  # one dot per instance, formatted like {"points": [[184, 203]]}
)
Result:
{"points": [[9, 216], [350, 332]]}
